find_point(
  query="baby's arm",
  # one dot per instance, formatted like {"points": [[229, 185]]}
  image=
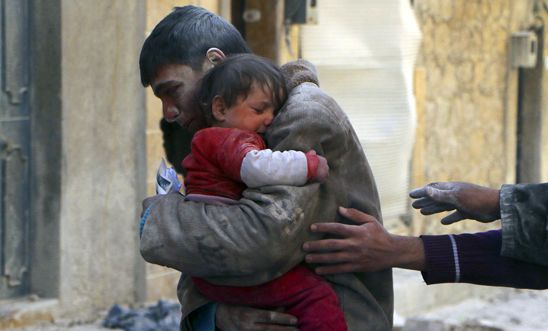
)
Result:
{"points": [[266, 167], [244, 157]]}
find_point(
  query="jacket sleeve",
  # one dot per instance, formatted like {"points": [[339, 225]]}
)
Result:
{"points": [[524, 214], [243, 244], [475, 259]]}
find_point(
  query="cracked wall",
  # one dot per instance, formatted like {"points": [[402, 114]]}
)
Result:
{"points": [[467, 115]]}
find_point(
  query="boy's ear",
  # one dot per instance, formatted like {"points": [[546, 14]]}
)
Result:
{"points": [[218, 109], [213, 57]]}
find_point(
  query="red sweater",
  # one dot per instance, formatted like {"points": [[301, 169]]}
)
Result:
{"points": [[214, 166]]}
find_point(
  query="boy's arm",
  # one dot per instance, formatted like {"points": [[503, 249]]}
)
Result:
{"points": [[244, 244]]}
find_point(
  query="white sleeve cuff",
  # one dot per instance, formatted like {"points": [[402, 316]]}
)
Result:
{"points": [[265, 167]]}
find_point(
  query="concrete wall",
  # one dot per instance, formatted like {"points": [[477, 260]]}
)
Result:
{"points": [[467, 95], [89, 118]]}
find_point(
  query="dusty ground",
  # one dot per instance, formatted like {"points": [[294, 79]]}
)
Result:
{"points": [[516, 311], [491, 309]]}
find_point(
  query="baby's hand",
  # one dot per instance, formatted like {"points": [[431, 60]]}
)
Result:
{"points": [[322, 169]]}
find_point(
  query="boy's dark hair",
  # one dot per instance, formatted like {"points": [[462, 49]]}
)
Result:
{"points": [[234, 77], [183, 37]]}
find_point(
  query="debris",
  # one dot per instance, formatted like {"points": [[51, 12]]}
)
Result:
{"points": [[164, 316]]}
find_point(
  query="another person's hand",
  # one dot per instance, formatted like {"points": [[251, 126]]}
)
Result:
{"points": [[468, 200], [364, 247], [238, 318]]}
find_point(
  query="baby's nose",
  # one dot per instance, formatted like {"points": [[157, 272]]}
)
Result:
{"points": [[268, 120]]}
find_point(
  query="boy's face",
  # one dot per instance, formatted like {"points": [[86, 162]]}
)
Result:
{"points": [[254, 113], [173, 84]]}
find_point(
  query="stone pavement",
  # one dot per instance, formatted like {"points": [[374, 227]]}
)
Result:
{"points": [[486, 309], [417, 308]]}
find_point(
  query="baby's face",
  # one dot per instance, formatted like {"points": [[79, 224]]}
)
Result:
{"points": [[254, 112]]}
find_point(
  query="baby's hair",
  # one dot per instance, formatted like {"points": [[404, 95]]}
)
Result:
{"points": [[234, 78]]}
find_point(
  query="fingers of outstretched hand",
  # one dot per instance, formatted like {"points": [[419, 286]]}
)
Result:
{"points": [[442, 193], [452, 218], [436, 208], [423, 202], [428, 206], [439, 191], [418, 193]]}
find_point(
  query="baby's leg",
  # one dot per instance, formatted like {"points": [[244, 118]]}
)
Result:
{"points": [[317, 306], [299, 291]]}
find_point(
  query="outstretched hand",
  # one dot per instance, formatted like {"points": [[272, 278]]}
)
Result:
{"points": [[469, 201], [363, 247], [239, 318]]}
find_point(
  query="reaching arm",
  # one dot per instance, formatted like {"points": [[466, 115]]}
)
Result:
{"points": [[363, 247], [456, 258], [468, 200], [475, 258], [521, 207]]}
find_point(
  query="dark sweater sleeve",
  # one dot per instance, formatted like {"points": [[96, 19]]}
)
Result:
{"points": [[475, 258]]}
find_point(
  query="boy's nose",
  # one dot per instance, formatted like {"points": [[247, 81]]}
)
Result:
{"points": [[171, 112]]}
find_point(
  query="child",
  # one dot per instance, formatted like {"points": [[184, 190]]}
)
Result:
{"points": [[240, 98]]}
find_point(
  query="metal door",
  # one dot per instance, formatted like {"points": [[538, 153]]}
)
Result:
{"points": [[14, 148]]}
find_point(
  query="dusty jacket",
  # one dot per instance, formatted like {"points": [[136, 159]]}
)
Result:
{"points": [[524, 213], [261, 238]]}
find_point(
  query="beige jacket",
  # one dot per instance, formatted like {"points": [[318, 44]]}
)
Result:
{"points": [[261, 238]]}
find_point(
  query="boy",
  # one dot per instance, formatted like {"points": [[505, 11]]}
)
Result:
{"points": [[199, 239]]}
